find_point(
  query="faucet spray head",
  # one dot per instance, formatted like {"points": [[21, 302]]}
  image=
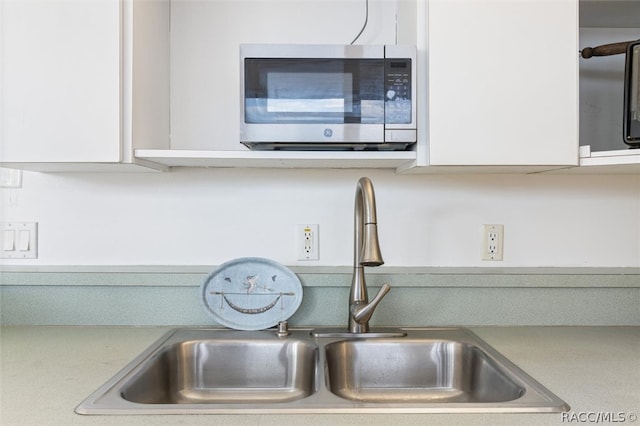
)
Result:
{"points": [[370, 254]]}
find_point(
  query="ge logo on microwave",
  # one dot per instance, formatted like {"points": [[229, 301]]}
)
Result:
{"points": [[328, 133]]}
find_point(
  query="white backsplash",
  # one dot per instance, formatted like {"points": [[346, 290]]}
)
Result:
{"points": [[208, 216]]}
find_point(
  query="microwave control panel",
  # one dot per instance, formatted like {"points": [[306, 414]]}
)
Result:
{"points": [[397, 102]]}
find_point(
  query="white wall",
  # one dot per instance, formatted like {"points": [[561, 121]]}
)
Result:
{"points": [[205, 66], [208, 216]]}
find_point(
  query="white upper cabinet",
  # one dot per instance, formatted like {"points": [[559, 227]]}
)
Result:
{"points": [[67, 84], [502, 83], [60, 81]]}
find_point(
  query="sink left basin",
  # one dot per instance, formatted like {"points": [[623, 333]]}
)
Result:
{"points": [[212, 367], [229, 371]]}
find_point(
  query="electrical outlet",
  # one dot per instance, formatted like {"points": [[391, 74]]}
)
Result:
{"points": [[492, 242], [307, 242]]}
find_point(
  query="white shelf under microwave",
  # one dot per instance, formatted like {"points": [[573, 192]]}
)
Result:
{"points": [[278, 159]]}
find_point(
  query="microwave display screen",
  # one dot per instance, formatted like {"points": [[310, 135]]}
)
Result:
{"points": [[326, 90]]}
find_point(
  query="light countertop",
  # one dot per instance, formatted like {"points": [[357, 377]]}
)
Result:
{"points": [[46, 371]]}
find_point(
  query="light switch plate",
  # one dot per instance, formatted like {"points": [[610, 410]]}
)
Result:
{"points": [[25, 240], [10, 178]]}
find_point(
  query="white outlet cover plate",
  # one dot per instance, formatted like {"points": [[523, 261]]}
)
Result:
{"points": [[313, 253], [499, 243]]}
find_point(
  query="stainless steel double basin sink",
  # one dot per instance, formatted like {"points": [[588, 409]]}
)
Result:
{"points": [[199, 371]]}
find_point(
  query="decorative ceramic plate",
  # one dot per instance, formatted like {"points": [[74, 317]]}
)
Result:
{"points": [[251, 293]]}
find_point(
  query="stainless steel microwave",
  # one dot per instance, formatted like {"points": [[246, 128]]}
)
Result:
{"points": [[327, 97]]}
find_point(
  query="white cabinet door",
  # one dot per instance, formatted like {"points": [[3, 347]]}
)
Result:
{"points": [[503, 81], [60, 81]]}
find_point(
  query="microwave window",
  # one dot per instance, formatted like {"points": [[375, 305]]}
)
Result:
{"points": [[310, 92], [314, 90]]}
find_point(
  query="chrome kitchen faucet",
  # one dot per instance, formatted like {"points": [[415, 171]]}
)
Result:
{"points": [[366, 253]]}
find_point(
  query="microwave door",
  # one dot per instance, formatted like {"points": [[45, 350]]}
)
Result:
{"points": [[310, 91]]}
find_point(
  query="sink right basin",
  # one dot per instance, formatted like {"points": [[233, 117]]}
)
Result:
{"points": [[417, 371]]}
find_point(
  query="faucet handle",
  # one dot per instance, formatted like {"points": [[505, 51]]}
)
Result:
{"points": [[386, 288], [362, 313]]}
